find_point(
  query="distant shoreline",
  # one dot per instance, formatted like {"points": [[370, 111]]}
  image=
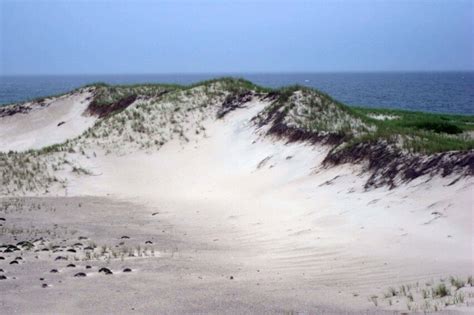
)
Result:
{"points": [[437, 92]]}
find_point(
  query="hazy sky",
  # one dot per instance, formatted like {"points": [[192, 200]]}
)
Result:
{"points": [[145, 36]]}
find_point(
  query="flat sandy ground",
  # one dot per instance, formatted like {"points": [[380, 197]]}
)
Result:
{"points": [[233, 223]]}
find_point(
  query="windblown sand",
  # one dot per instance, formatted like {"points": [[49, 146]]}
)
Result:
{"points": [[233, 222]]}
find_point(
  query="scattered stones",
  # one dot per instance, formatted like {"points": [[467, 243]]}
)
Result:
{"points": [[54, 271], [71, 266], [88, 248], [2, 219], [127, 270], [18, 258], [45, 249], [2, 258], [44, 285], [78, 244], [80, 274], [71, 250], [41, 279], [2, 277], [60, 258], [106, 271], [25, 244], [148, 242], [14, 262], [88, 267]]}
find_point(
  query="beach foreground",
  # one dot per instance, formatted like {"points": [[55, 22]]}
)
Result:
{"points": [[207, 209]]}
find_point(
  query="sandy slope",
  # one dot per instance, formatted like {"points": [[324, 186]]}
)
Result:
{"points": [[58, 120], [294, 236]]}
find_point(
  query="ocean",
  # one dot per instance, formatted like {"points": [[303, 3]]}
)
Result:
{"points": [[439, 92]]}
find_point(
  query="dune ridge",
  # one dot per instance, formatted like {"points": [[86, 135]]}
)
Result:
{"points": [[252, 200]]}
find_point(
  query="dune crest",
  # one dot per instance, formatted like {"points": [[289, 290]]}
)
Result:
{"points": [[233, 186]]}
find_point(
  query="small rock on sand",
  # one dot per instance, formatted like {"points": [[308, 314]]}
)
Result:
{"points": [[127, 270], [80, 274], [106, 271], [53, 270]]}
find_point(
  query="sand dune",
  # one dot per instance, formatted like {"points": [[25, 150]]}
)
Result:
{"points": [[238, 222], [50, 122]]}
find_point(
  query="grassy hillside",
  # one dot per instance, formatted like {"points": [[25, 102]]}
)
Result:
{"points": [[393, 142]]}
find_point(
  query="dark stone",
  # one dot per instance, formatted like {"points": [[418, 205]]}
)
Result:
{"points": [[61, 258], [148, 242], [2, 277], [125, 237], [12, 248], [71, 266], [106, 271], [44, 285], [54, 271], [127, 270], [71, 250], [88, 267], [80, 274], [14, 262]]}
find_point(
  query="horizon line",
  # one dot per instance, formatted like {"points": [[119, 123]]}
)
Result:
{"points": [[236, 73]]}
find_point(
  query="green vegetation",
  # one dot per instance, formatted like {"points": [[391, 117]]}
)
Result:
{"points": [[433, 296], [162, 112], [419, 132]]}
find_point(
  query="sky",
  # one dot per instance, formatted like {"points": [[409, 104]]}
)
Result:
{"points": [[234, 36]]}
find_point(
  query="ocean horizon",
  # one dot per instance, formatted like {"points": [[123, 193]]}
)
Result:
{"points": [[450, 92]]}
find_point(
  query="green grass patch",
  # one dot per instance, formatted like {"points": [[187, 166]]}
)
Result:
{"points": [[418, 131]]}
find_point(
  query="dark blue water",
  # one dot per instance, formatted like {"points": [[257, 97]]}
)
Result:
{"points": [[442, 92]]}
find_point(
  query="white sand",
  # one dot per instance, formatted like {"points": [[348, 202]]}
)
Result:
{"points": [[295, 236], [39, 128]]}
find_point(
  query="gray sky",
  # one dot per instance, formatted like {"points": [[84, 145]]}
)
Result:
{"points": [[208, 36]]}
